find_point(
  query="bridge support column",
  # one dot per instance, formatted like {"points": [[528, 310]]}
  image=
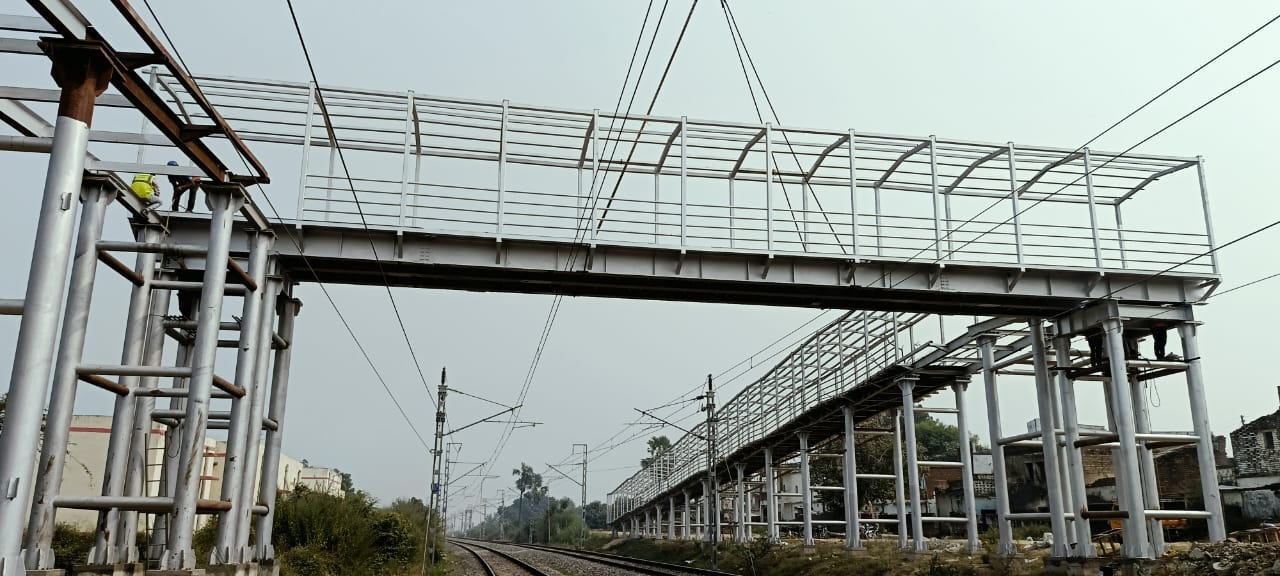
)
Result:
{"points": [[740, 533], [852, 520], [966, 467], [287, 311], [806, 491], [248, 496], [657, 522], [899, 483], [136, 480], [671, 518], [82, 74], [1074, 459], [913, 463], [986, 348], [1200, 423], [1147, 463], [770, 497], [109, 545], [223, 202], [1128, 472], [1049, 438], [226, 548], [686, 533], [53, 454]]}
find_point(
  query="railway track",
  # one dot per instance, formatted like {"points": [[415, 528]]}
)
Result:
{"points": [[499, 563], [623, 564]]}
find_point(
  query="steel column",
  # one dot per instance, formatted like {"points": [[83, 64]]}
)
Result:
{"points": [[82, 75], [852, 516], [806, 492], [136, 481], [242, 510], [1128, 473], [1204, 435], [913, 463], [1048, 437], [671, 518], [966, 467], [986, 345], [107, 545], [288, 310], [169, 464], [771, 497], [686, 534], [739, 518], [223, 202], [241, 417], [1074, 460], [899, 484], [1147, 464], [53, 451]]}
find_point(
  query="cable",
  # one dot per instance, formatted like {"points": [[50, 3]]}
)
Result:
{"points": [[359, 207], [948, 235], [324, 289]]}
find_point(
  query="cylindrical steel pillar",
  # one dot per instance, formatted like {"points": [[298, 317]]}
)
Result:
{"points": [[243, 509], [966, 467], [169, 463], [226, 545], [1071, 433], [223, 203], [740, 532], [1048, 437], [288, 310], [1204, 436], [140, 437], [986, 345], [82, 75], [852, 518], [899, 483], [1147, 463], [771, 497], [913, 463], [108, 543], [53, 450], [684, 515], [806, 491], [1128, 473]]}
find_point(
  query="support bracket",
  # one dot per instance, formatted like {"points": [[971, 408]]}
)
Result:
{"points": [[680, 262], [591, 257], [849, 274], [497, 252], [1092, 283], [768, 263], [1013, 278]]}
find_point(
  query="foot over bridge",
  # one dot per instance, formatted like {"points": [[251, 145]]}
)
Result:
{"points": [[866, 373], [499, 196]]}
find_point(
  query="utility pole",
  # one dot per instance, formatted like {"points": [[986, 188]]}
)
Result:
{"points": [[448, 459], [583, 508], [713, 497], [502, 505], [433, 508]]}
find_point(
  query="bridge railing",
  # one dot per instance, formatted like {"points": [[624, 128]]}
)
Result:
{"points": [[508, 170]]}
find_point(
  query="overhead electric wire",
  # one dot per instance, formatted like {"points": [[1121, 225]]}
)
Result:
{"points": [[324, 111], [307, 262], [1097, 136]]}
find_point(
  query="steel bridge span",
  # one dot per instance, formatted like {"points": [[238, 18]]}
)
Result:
{"points": [[499, 196]]}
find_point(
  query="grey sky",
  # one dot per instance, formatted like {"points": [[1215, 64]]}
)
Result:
{"points": [[1048, 74]]}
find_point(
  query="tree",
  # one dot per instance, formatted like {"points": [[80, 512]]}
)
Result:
{"points": [[529, 485], [347, 485], [658, 445], [597, 515]]}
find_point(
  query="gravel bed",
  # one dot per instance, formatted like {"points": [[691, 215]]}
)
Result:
{"points": [[554, 563], [464, 562]]}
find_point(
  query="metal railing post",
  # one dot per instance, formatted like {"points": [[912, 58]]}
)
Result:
{"points": [[1208, 216], [768, 186], [1014, 197], [1093, 210], [933, 187], [404, 166], [502, 168], [684, 176], [853, 196], [306, 153], [595, 166]]}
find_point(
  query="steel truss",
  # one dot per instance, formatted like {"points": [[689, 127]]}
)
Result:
{"points": [[856, 368]]}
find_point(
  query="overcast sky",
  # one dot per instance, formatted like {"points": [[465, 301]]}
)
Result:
{"points": [[1040, 73]]}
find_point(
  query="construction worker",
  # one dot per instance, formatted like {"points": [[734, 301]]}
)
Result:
{"points": [[144, 187], [182, 184]]}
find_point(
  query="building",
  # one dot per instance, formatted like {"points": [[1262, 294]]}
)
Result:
{"points": [[87, 457], [1253, 495]]}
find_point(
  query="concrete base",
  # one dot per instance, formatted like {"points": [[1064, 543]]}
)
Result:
{"points": [[1097, 566], [269, 568], [49, 572], [120, 569]]}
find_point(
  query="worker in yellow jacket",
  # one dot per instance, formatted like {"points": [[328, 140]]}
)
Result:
{"points": [[144, 187]]}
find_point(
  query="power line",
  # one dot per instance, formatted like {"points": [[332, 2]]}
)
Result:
{"points": [[306, 261], [1181, 80]]}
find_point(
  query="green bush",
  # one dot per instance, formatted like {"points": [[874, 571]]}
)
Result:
{"points": [[70, 546]]}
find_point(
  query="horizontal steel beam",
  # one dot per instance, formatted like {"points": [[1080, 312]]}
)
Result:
{"points": [[11, 306]]}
